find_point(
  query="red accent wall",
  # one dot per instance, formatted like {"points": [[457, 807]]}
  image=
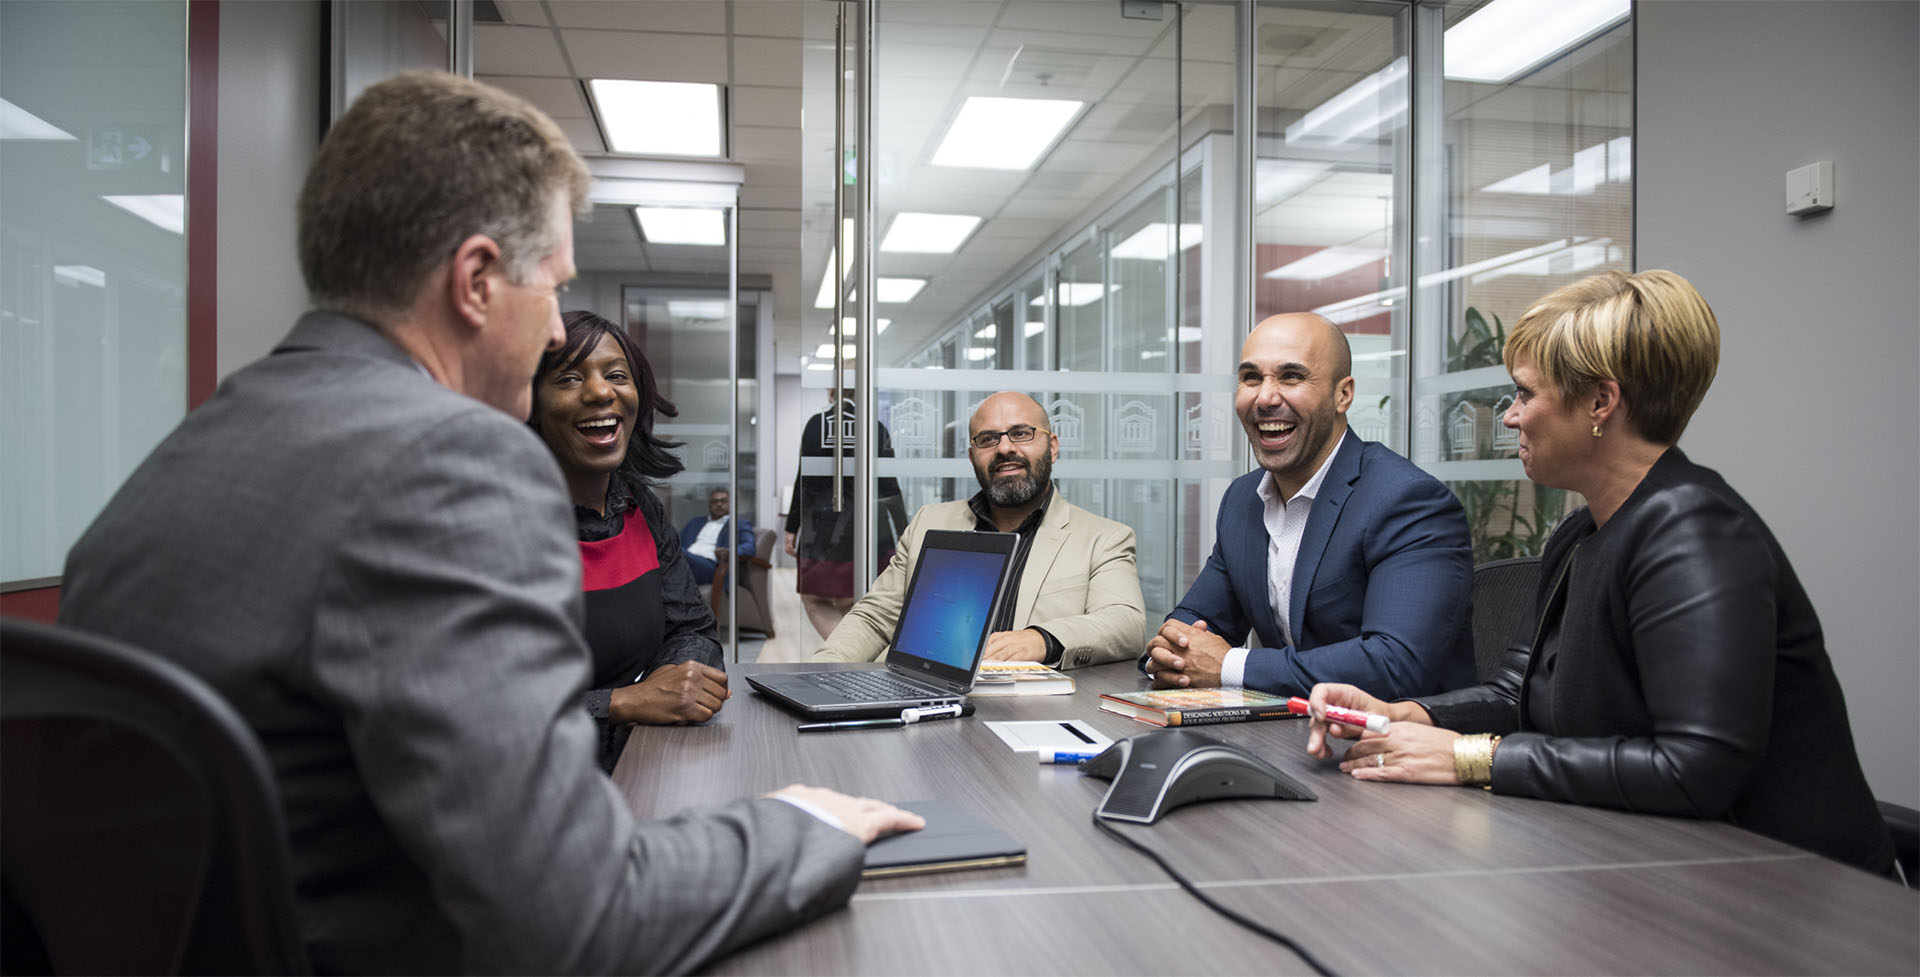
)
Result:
{"points": [[203, 204]]}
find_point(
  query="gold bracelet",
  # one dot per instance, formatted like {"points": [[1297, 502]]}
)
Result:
{"points": [[1473, 759]]}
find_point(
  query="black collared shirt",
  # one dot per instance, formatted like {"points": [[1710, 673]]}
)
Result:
{"points": [[983, 522]]}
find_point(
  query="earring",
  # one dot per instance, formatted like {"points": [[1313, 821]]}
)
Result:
{"points": [[1596, 430]]}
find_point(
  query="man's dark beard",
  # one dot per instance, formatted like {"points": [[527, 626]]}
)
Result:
{"points": [[1008, 491]]}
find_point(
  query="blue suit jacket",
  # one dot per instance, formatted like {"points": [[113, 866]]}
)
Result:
{"points": [[692, 532], [1382, 587]]}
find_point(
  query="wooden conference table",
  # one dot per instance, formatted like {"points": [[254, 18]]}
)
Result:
{"points": [[1372, 878]]}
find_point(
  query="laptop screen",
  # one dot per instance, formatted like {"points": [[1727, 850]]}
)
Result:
{"points": [[947, 615]]}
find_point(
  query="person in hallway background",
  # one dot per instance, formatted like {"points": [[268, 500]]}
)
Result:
{"points": [[1076, 586], [1345, 561], [655, 658], [707, 542], [820, 538], [360, 544], [1679, 668]]}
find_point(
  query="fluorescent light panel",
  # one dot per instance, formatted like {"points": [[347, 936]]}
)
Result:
{"points": [[705, 310], [682, 225], [1150, 242], [1508, 38], [917, 233], [659, 118], [825, 351], [1363, 109], [824, 300], [80, 275], [1327, 262], [850, 327], [1078, 293], [896, 290], [18, 123], [1004, 133], [167, 211]]}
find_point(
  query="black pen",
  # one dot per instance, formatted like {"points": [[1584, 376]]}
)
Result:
{"points": [[906, 717]]}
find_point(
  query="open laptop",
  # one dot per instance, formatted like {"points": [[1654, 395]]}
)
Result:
{"points": [[958, 585]]}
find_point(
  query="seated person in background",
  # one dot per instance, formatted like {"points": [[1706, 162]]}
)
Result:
{"points": [[705, 541], [361, 546], [655, 658], [1679, 668], [1077, 591], [1347, 562]]}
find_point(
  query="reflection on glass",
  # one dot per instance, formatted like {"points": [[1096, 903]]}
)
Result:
{"points": [[93, 337]]}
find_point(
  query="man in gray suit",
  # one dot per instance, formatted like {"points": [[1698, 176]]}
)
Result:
{"points": [[362, 545]]}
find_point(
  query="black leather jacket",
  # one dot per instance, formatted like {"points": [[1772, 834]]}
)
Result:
{"points": [[1683, 672]]}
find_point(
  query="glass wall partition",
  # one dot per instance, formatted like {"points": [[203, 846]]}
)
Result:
{"points": [[1530, 188], [1397, 187], [93, 263]]}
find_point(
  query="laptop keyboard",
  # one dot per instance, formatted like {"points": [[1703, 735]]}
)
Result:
{"points": [[871, 686]]}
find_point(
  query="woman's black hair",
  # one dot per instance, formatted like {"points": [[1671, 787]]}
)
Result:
{"points": [[648, 457]]}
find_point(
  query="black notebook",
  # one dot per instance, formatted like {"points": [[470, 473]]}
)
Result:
{"points": [[953, 839]]}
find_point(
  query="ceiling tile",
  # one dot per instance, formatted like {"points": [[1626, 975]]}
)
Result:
{"points": [[766, 61], [696, 16], [558, 97], [769, 18], [583, 134], [769, 220], [499, 50], [756, 105], [648, 57], [751, 143], [527, 13]]}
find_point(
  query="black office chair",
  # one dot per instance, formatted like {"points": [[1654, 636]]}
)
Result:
{"points": [[1904, 823], [143, 829], [1503, 594]]}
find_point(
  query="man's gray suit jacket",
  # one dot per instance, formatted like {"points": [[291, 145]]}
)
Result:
{"points": [[382, 576]]}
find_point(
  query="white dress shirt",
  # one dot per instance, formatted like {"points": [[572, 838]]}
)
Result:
{"points": [[1286, 521], [709, 539]]}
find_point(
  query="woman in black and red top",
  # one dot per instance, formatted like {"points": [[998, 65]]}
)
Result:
{"points": [[655, 659]]}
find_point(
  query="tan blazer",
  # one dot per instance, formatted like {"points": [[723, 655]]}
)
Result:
{"points": [[1080, 584]]}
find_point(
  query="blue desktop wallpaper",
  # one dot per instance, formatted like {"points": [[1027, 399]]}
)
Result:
{"points": [[946, 619]]}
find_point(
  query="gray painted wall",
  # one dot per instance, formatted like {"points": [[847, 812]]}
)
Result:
{"points": [[270, 104], [1815, 411]]}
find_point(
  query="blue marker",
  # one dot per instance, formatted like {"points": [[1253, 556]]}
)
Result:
{"points": [[1064, 756]]}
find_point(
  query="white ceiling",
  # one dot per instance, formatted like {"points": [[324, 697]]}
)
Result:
{"points": [[775, 58]]}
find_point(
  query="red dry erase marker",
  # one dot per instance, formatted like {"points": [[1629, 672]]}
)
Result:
{"points": [[1345, 717]]}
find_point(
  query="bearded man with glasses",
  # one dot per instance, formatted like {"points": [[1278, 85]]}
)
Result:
{"points": [[1077, 591]]}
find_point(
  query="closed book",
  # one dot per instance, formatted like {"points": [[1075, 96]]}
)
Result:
{"points": [[1020, 678], [1195, 707]]}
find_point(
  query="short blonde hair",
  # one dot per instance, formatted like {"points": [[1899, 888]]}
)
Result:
{"points": [[1650, 332], [419, 163]]}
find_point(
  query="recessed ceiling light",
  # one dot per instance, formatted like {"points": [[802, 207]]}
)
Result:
{"points": [[1034, 329], [18, 123], [1150, 243], [167, 211], [895, 290], [1327, 262], [659, 118], [1004, 133], [682, 225], [918, 233], [1507, 38], [825, 351], [706, 310], [1078, 293], [80, 275], [978, 353], [850, 327]]}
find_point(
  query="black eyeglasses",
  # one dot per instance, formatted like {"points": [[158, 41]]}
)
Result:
{"points": [[1018, 435]]}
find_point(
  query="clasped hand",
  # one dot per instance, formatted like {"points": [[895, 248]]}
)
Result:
{"points": [[1185, 655]]}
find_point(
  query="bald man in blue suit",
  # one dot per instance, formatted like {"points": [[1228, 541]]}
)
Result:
{"points": [[1345, 561]]}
